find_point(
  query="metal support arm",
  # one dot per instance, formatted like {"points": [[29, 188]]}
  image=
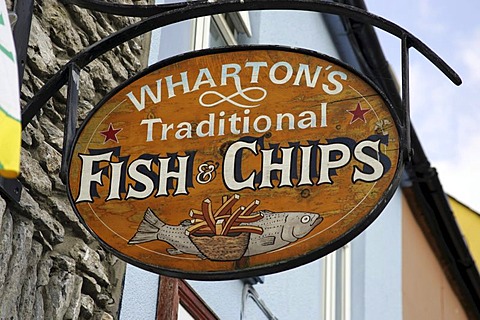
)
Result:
{"points": [[157, 16]]}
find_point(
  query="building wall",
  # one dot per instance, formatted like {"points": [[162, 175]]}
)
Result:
{"points": [[377, 267], [426, 292], [469, 224], [305, 30], [140, 294], [293, 294], [50, 266]]}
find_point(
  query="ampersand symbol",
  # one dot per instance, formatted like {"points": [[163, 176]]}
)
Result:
{"points": [[207, 172]]}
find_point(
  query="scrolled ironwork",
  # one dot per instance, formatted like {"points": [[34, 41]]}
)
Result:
{"points": [[198, 9], [158, 16], [130, 10]]}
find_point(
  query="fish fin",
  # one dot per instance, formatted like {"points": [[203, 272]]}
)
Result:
{"points": [[151, 218], [267, 241], [173, 252], [186, 223], [148, 228], [262, 212], [141, 237]]}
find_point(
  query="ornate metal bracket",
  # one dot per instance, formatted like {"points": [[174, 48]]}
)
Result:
{"points": [[157, 16], [23, 10]]}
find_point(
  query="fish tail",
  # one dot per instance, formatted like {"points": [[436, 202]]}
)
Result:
{"points": [[148, 228]]}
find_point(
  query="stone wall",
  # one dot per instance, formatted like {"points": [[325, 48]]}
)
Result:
{"points": [[50, 266]]}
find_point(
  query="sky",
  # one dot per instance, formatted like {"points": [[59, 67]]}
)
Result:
{"points": [[446, 117]]}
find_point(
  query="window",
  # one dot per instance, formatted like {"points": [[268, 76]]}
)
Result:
{"points": [[220, 30], [337, 285]]}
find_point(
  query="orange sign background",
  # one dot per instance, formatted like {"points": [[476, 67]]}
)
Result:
{"points": [[224, 120]]}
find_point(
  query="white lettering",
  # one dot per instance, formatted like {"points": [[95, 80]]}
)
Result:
{"points": [[304, 69], [140, 105], [141, 178], [229, 165], [326, 163], [149, 123], [88, 177], [225, 74], [338, 86], [210, 123], [255, 69], [284, 167], [209, 79], [115, 178], [171, 85], [164, 174], [374, 163], [288, 73], [305, 166], [268, 123]]}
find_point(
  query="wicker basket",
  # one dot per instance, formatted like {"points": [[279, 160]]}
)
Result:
{"points": [[222, 248]]}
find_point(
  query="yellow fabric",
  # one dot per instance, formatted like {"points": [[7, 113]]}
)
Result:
{"points": [[10, 123], [10, 141]]}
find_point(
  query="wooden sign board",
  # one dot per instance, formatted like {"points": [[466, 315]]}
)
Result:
{"points": [[235, 162]]}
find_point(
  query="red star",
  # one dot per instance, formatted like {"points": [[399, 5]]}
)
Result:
{"points": [[110, 133], [358, 113]]}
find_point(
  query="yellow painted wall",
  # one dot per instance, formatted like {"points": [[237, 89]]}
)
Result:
{"points": [[427, 293], [469, 223]]}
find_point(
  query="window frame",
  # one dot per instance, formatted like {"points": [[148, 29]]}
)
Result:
{"points": [[201, 28], [337, 284], [173, 292], [193, 303]]}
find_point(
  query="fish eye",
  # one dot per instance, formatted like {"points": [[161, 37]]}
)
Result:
{"points": [[305, 219]]}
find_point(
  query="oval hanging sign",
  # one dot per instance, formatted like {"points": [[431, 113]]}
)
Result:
{"points": [[235, 162]]}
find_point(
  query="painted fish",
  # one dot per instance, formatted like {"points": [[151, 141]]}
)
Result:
{"points": [[280, 229], [152, 228]]}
